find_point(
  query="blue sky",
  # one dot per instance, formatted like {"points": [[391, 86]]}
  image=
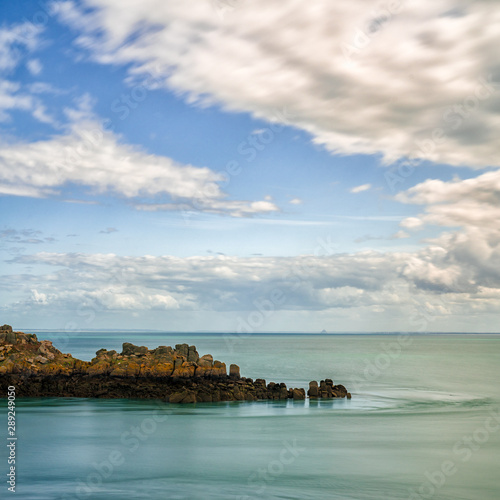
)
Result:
{"points": [[209, 156]]}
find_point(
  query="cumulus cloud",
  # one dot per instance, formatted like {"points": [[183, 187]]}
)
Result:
{"points": [[215, 282], [473, 202], [91, 157], [296, 201], [406, 79], [423, 285], [467, 260]]}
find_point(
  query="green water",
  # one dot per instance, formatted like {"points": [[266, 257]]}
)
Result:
{"points": [[424, 422]]}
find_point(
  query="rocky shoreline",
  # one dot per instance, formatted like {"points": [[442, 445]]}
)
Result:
{"points": [[177, 375]]}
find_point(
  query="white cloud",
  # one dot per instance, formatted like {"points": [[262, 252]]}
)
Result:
{"points": [[467, 260], [412, 81], [408, 289], [400, 235], [215, 282], [412, 223], [93, 158], [34, 66], [296, 201], [473, 202], [456, 275], [15, 42], [360, 189]]}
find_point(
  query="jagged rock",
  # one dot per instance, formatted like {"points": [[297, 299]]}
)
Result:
{"points": [[206, 361], [185, 370], [219, 369], [39, 369], [182, 349], [165, 353], [129, 349], [192, 354], [234, 371], [6, 328]]}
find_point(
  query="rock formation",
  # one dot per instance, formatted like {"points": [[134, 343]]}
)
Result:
{"points": [[177, 375]]}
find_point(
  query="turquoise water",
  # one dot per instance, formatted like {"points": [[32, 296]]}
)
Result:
{"points": [[424, 422]]}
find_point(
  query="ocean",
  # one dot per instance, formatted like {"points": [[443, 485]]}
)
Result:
{"points": [[423, 422]]}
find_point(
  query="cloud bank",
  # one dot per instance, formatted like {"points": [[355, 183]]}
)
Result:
{"points": [[401, 79], [454, 275]]}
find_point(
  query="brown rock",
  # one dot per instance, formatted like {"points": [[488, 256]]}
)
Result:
{"points": [[234, 371], [313, 389], [129, 349], [299, 394], [177, 397], [182, 349], [206, 361], [186, 370], [192, 354], [190, 398], [165, 353], [219, 369]]}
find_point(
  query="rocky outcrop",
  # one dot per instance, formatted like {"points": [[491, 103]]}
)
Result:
{"points": [[178, 375], [327, 390]]}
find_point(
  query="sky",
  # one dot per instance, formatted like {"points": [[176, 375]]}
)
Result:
{"points": [[250, 166]]}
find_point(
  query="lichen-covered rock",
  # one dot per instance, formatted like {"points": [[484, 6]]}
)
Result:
{"points": [[129, 349], [180, 375], [182, 349], [206, 361], [192, 354]]}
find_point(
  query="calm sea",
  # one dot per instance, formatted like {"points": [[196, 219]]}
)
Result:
{"points": [[424, 422]]}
